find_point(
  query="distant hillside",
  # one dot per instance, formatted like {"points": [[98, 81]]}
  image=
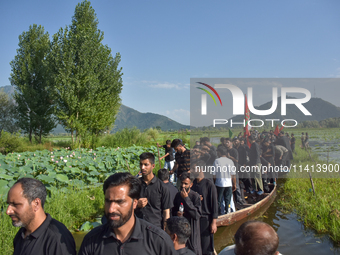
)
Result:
{"points": [[8, 89], [319, 108], [128, 117]]}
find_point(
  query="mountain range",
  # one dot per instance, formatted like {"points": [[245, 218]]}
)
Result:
{"points": [[128, 117], [319, 108]]}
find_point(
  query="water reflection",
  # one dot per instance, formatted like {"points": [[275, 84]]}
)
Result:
{"points": [[294, 237]]}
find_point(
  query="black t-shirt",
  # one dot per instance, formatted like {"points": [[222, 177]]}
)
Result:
{"points": [[183, 161], [234, 153], [159, 199], [242, 155], [52, 237], [169, 150], [172, 189], [145, 239], [207, 190], [185, 251]]}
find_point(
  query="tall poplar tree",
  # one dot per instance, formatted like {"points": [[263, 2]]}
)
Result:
{"points": [[87, 79], [31, 80]]}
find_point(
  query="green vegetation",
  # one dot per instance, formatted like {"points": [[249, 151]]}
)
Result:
{"points": [[73, 80], [87, 80], [31, 79], [320, 211], [73, 179], [72, 206]]}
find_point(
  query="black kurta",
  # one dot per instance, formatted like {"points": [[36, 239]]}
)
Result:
{"points": [[207, 190], [192, 212]]}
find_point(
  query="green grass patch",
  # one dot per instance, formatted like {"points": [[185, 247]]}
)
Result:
{"points": [[72, 206], [320, 211]]}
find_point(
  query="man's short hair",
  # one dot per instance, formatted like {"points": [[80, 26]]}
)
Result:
{"points": [[176, 142], [147, 155], [252, 137], [163, 174], [186, 175], [128, 179], [168, 142], [222, 150], [32, 189], [205, 139], [250, 240], [179, 226]]}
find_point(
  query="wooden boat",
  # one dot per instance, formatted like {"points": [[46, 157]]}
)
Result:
{"points": [[231, 218]]}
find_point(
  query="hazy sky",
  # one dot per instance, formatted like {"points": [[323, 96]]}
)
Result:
{"points": [[165, 43]]}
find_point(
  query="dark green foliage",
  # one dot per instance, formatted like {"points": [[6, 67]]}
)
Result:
{"points": [[87, 80], [7, 113], [9, 142], [30, 79]]}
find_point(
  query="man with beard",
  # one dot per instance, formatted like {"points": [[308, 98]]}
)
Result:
{"points": [[39, 232], [124, 233], [191, 202], [155, 202]]}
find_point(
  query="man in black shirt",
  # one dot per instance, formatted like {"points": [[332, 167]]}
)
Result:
{"points": [[169, 158], [207, 190], [124, 233], [211, 149], [285, 142], [163, 175], [179, 231], [192, 211], [39, 233], [292, 142], [155, 202], [182, 159]]}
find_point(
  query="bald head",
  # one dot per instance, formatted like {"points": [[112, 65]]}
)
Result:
{"points": [[254, 237]]}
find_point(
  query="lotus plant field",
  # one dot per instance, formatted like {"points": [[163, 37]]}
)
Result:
{"points": [[60, 168]]}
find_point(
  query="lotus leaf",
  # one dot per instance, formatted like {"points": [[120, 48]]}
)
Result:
{"points": [[61, 177], [45, 179]]}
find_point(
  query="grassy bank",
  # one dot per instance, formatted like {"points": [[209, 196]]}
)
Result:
{"points": [[72, 206], [320, 211]]}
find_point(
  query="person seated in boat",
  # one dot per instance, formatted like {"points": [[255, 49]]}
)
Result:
{"points": [[179, 230], [254, 238]]}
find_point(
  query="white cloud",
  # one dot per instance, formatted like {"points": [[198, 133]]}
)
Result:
{"points": [[180, 115], [168, 85]]}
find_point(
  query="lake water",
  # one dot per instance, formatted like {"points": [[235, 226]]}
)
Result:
{"points": [[294, 237]]}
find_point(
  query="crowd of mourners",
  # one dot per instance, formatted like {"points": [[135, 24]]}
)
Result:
{"points": [[174, 212]]}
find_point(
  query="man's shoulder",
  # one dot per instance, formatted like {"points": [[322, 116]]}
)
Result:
{"points": [[58, 229], [153, 230], [97, 232], [224, 161], [171, 187]]}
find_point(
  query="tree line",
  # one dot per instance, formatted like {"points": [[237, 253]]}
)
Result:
{"points": [[72, 79]]}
